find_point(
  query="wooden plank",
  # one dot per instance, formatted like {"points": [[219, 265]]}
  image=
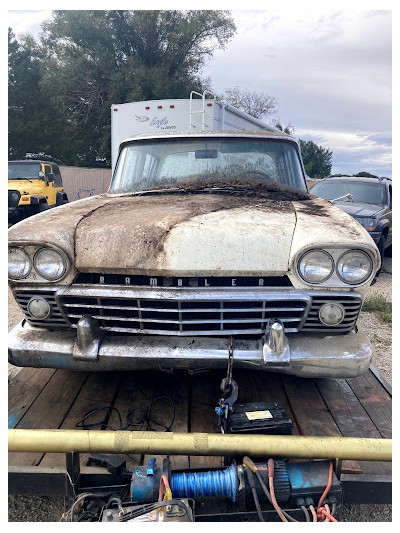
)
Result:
{"points": [[49, 409], [205, 393], [23, 390], [98, 391], [312, 414], [173, 386], [375, 400], [268, 387], [346, 409], [351, 418], [134, 395]]}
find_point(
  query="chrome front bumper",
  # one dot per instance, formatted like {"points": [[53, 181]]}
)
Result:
{"points": [[305, 355]]}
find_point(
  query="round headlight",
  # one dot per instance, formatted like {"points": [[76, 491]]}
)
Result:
{"points": [[316, 266], [49, 264], [19, 263], [354, 267], [14, 196]]}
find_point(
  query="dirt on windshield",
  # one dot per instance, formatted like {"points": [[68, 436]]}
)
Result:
{"points": [[270, 191]]}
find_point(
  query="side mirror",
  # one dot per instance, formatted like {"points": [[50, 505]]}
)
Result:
{"points": [[50, 177]]}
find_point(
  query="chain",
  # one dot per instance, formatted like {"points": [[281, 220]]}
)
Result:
{"points": [[230, 363]]}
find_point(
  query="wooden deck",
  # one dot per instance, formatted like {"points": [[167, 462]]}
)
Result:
{"points": [[51, 399]]}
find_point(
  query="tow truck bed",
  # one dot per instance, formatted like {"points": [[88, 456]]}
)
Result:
{"points": [[59, 399]]}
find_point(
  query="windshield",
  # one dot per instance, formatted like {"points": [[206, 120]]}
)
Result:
{"points": [[23, 171], [149, 165], [368, 193]]}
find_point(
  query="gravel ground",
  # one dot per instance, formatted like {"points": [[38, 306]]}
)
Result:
{"points": [[44, 509]]}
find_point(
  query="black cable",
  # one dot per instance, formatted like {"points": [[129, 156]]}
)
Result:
{"points": [[82, 424], [252, 485], [146, 420], [145, 423]]}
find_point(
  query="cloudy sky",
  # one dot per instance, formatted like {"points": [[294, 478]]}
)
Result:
{"points": [[330, 72]]}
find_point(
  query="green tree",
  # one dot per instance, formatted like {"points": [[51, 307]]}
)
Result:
{"points": [[365, 175], [317, 160], [32, 122], [96, 58]]}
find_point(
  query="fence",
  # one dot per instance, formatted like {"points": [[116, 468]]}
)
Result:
{"points": [[75, 178]]}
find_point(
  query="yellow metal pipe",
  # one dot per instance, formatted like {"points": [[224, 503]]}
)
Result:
{"points": [[165, 443]]}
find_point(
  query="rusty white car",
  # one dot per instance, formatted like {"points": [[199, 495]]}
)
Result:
{"points": [[206, 245]]}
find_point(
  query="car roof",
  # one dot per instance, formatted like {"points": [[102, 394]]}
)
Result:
{"points": [[354, 178], [31, 161], [259, 134]]}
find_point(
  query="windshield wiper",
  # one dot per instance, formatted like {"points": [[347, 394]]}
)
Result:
{"points": [[345, 197]]}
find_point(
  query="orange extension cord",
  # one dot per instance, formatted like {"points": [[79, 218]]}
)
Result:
{"points": [[323, 512]]}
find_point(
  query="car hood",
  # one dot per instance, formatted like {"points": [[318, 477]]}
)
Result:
{"points": [[189, 234], [186, 234], [359, 209]]}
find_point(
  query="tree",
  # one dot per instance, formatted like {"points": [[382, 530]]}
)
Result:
{"points": [[32, 121], [96, 58], [256, 103], [365, 175], [289, 128], [317, 160]]}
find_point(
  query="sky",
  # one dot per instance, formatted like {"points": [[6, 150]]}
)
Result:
{"points": [[329, 70]]}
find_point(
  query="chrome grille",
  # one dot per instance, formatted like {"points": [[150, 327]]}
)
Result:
{"points": [[56, 317], [187, 312], [351, 303]]}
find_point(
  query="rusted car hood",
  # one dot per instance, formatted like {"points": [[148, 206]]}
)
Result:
{"points": [[186, 234], [189, 234]]}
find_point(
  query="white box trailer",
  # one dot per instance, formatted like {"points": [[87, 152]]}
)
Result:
{"points": [[196, 113]]}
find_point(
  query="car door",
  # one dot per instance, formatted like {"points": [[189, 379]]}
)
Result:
{"points": [[50, 191]]}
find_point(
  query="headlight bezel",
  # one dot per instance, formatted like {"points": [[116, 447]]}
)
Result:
{"points": [[13, 278], [31, 248], [336, 251]]}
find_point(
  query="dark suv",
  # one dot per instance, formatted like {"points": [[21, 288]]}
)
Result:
{"points": [[368, 200]]}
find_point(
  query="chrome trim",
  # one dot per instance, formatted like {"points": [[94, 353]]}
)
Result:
{"points": [[343, 356], [146, 302], [351, 300]]}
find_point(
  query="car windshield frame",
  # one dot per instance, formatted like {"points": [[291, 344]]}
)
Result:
{"points": [[339, 189], [30, 171], [162, 164]]}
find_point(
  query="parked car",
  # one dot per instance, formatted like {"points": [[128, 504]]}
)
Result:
{"points": [[367, 200], [33, 186], [207, 245]]}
